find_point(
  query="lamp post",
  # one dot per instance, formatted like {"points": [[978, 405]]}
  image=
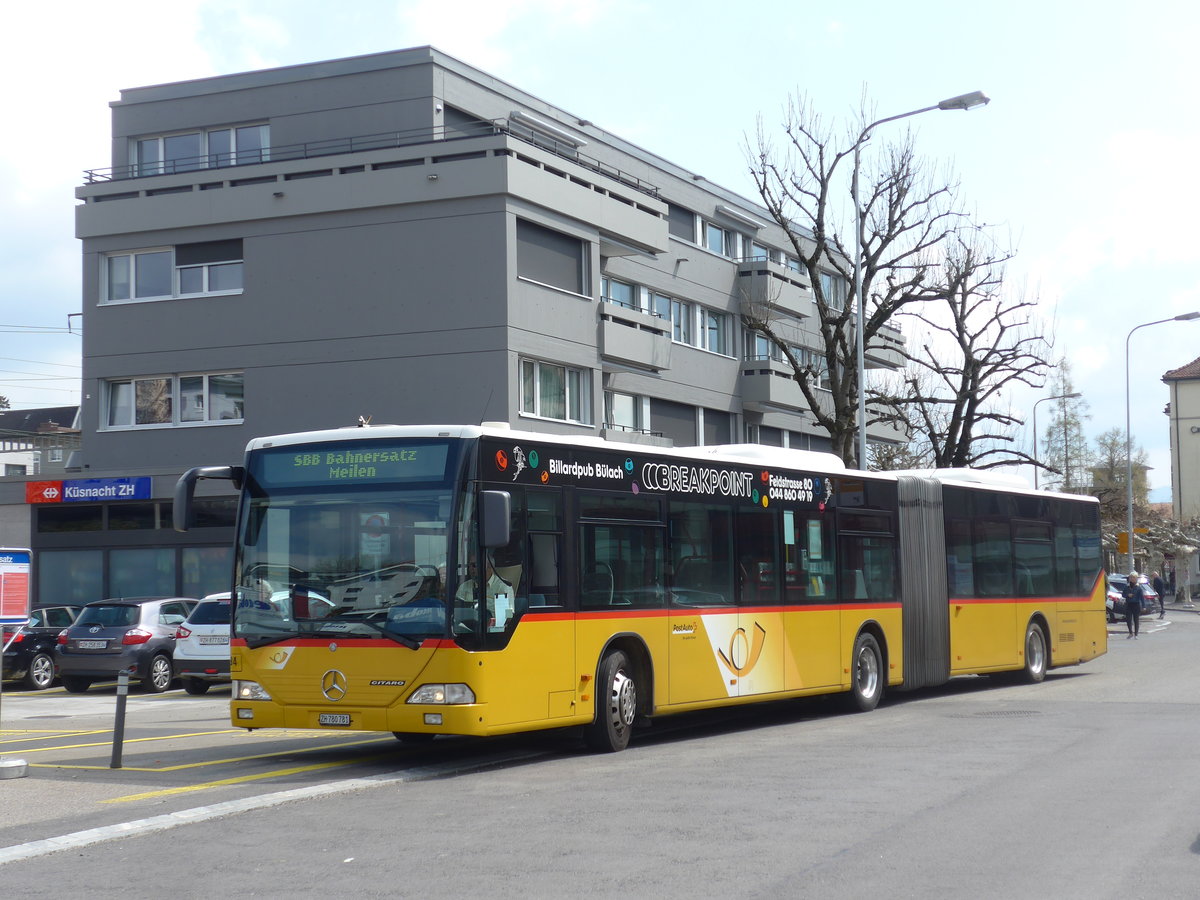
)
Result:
{"points": [[1070, 396], [962, 101], [1183, 317]]}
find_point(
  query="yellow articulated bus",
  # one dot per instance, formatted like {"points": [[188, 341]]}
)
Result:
{"points": [[474, 580]]}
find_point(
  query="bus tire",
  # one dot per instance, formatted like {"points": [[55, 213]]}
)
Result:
{"points": [[616, 705], [866, 674], [1036, 654]]}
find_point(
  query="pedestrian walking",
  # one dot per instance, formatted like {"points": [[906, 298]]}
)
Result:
{"points": [[1132, 595], [1160, 587]]}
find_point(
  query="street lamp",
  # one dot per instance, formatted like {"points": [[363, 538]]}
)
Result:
{"points": [[1183, 317], [1070, 396], [962, 101]]}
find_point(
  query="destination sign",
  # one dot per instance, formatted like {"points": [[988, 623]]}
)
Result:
{"points": [[354, 463]]}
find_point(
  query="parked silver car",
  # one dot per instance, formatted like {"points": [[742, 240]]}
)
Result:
{"points": [[125, 635]]}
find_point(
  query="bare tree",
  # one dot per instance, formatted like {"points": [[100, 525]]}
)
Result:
{"points": [[907, 214], [1065, 453], [978, 343], [1109, 476]]}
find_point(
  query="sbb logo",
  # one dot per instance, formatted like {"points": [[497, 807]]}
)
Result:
{"points": [[43, 492]]}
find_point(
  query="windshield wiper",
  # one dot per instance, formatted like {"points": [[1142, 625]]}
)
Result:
{"points": [[263, 640], [403, 639]]}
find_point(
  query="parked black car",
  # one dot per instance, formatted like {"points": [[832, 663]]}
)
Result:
{"points": [[29, 653], [126, 635]]}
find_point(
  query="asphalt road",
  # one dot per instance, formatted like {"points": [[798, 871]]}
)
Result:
{"points": [[1078, 787]]}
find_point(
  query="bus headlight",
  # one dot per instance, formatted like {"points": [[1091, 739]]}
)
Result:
{"points": [[443, 694], [249, 690]]}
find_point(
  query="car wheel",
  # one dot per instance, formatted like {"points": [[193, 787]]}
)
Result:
{"points": [[196, 686], [41, 672], [76, 684], [158, 675]]}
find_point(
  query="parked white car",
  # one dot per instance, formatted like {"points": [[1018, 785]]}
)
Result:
{"points": [[202, 645]]}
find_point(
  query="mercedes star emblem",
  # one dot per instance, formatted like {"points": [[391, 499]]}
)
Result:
{"points": [[333, 685]]}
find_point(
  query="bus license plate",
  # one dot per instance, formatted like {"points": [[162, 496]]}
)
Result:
{"points": [[92, 645], [333, 719]]}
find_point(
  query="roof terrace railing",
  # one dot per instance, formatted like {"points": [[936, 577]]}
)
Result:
{"points": [[381, 141]]}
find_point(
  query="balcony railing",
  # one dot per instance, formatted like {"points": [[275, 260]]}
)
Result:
{"points": [[381, 141]]}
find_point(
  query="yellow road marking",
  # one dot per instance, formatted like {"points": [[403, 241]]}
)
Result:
{"points": [[216, 762], [165, 737], [47, 735], [225, 782]]}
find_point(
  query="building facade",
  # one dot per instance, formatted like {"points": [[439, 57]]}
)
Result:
{"points": [[399, 238], [1183, 413]]}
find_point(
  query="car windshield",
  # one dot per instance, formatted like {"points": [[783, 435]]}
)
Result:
{"points": [[317, 556], [109, 615]]}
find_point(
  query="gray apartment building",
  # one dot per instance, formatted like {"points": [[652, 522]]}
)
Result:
{"points": [[403, 238]]}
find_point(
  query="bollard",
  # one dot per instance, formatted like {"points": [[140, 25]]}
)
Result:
{"points": [[119, 724]]}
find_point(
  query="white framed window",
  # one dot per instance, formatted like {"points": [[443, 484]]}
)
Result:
{"points": [[621, 293], [677, 312], [207, 148], [834, 288], [186, 270], [725, 241], [760, 347], [714, 331], [170, 400], [551, 391], [626, 412]]}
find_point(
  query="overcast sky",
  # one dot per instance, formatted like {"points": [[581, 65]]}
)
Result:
{"points": [[1085, 157]]}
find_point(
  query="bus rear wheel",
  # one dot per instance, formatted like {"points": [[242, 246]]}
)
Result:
{"points": [[866, 673], [1036, 657], [616, 705]]}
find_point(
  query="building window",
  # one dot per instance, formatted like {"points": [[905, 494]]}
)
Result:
{"points": [[171, 400], [761, 348], [724, 241], [187, 270], [714, 331], [834, 288], [554, 392], [210, 148], [15, 469], [677, 312], [619, 292], [551, 258], [212, 267], [681, 223], [624, 412]]}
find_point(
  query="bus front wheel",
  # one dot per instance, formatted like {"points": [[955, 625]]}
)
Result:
{"points": [[616, 705], [1036, 657], [866, 673]]}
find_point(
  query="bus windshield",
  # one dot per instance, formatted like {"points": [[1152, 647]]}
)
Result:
{"points": [[347, 541]]}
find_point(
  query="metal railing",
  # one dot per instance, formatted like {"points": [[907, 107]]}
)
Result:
{"points": [[357, 144], [625, 304]]}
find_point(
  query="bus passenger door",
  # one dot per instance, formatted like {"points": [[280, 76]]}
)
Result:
{"points": [[983, 614]]}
